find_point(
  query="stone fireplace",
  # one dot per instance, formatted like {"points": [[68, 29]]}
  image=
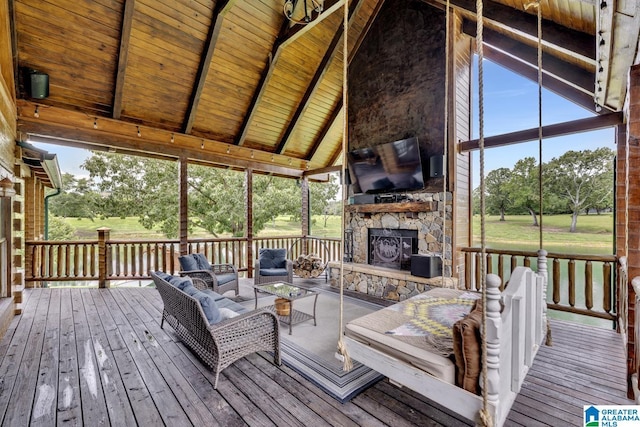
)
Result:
{"points": [[392, 248], [379, 234]]}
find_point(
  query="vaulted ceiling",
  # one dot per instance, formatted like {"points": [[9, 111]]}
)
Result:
{"points": [[237, 83]]}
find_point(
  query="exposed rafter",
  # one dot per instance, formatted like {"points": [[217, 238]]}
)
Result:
{"points": [[222, 7], [496, 15], [74, 126], [287, 35], [570, 74], [125, 35], [549, 82], [336, 111], [317, 77], [298, 30], [323, 133]]}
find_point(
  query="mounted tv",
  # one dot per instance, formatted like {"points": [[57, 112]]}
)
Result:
{"points": [[387, 168]]}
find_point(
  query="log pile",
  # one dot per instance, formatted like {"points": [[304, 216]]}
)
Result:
{"points": [[307, 266]]}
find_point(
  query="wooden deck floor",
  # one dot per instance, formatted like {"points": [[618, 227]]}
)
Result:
{"points": [[99, 357]]}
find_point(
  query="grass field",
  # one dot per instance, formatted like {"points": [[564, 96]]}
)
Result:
{"points": [[130, 228], [594, 235]]}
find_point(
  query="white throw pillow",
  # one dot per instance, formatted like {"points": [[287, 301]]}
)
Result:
{"points": [[227, 313]]}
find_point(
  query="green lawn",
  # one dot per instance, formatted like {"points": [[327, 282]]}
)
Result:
{"points": [[130, 228], [594, 233]]}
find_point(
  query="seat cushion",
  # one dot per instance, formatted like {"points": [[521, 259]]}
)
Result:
{"points": [[188, 263], [164, 276], [209, 306], [274, 272], [225, 278], [272, 258]]}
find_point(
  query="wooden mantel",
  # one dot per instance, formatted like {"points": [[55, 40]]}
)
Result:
{"points": [[392, 207]]}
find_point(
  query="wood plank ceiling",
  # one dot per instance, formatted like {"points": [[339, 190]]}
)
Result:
{"points": [[234, 82]]}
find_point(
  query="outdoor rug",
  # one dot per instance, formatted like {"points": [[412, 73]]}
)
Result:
{"points": [[310, 350]]}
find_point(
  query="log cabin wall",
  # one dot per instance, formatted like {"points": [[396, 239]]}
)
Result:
{"points": [[460, 99], [7, 147]]}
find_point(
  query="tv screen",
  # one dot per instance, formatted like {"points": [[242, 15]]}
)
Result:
{"points": [[391, 167]]}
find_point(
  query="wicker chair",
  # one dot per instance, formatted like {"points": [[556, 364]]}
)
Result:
{"points": [[273, 266], [220, 278], [220, 344]]}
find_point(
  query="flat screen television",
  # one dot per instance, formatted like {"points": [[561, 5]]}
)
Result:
{"points": [[387, 168]]}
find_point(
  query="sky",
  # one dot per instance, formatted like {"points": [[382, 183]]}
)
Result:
{"points": [[510, 104]]}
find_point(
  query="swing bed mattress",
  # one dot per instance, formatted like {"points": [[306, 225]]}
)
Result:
{"points": [[417, 331]]}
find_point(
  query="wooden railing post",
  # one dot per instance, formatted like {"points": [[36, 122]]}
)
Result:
{"points": [[543, 271], [103, 261]]}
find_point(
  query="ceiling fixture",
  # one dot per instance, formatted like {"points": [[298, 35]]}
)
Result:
{"points": [[302, 12]]}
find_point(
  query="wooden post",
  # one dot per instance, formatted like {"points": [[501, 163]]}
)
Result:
{"points": [[103, 257], [183, 206], [248, 200], [306, 215]]}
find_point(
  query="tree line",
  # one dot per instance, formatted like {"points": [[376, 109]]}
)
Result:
{"points": [[574, 183], [146, 188]]}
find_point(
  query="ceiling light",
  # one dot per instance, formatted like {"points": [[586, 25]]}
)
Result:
{"points": [[302, 12]]}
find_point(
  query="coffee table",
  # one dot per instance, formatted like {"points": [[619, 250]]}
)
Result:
{"points": [[290, 293]]}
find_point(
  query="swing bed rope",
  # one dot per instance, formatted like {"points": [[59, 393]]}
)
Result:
{"points": [[342, 348]]}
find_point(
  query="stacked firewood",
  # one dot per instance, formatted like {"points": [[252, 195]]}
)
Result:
{"points": [[308, 266]]}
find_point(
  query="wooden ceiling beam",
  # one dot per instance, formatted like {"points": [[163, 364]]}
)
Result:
{"points": [[317, 77], [265, 77], [221, 9], [336, 111], [123, 57], [549, 82], [76, 126], [568, 73], [570, 42], [287, 35], [323, 132], [549, 131]]}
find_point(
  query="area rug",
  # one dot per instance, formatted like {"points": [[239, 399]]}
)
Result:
{"points": [[310, 350]]}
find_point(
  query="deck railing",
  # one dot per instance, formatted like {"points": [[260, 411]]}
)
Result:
{"points": [[106, 259], [579, 284]]}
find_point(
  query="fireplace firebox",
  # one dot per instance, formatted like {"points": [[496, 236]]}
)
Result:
{"points": [[392, 248]]}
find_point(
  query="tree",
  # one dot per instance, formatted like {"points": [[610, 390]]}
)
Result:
{"points": [[77, 199], [322, 195], [523, 187], [583, 179], [148, 188], [59, 230], [497, 198]]}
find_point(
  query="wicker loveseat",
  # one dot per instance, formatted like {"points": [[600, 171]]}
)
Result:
{"points": [[220, 344]]}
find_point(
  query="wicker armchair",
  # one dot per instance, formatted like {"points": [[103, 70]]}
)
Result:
{"points": [[220, 344], [272, 265], [220, 278]]}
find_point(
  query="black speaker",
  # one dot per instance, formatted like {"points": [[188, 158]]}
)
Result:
{"points": [[38, 85], [436, 166], [426, 266]]}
